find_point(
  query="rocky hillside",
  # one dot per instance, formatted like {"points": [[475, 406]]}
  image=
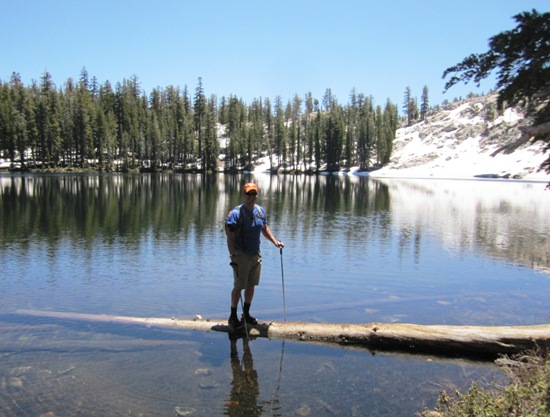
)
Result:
{"points": [[458, 141]]}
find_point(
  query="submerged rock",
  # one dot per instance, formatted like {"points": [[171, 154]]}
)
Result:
{"points": [[202, 371], [184, 411], [15, 382], [303, 411], [208, 385]]}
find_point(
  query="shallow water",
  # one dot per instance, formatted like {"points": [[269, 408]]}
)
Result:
{"points": [[357, 250]]}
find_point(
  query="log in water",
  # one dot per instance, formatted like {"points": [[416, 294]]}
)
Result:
{"points": [[443, 340]]}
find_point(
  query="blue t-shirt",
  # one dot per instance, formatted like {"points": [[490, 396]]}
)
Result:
{"points": [[247, 238]]}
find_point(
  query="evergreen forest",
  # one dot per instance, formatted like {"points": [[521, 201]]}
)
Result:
{"points": [[87, 125]]}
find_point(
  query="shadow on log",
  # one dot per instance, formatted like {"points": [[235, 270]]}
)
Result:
{"points": [[480, 342]]}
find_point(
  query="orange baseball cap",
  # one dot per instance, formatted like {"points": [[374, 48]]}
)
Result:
{"points": [[250, 186]]}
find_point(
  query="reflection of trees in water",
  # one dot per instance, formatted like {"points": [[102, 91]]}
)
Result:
{"points": [[129, 206], [107, 206], [506, 221], [514, 242]]}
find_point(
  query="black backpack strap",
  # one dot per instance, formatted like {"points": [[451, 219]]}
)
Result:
{"points": [[240, 226]]}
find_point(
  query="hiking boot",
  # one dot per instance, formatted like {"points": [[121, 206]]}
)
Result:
{"points": [[234, 323], [249, 319]]}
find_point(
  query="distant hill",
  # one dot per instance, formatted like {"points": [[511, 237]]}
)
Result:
{"points": [[457, 141]]}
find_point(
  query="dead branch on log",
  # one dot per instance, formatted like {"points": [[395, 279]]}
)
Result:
{"points": [[441, 340]]}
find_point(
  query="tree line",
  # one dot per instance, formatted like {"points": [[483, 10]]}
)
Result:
{"points": [[85, 124]]}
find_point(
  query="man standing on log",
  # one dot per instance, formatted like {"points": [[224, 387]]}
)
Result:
{"points": [[243, 227]]}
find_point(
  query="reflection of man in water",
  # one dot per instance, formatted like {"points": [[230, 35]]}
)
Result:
{"points": [[243, 400]]}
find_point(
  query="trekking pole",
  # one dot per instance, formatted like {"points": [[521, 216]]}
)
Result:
{"points": [[283, 280]]}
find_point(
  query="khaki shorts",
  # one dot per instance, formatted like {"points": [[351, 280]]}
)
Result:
{"points": [[248, 271]]}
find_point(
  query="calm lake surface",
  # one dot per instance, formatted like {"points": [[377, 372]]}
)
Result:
{"points": [[357, 250]]}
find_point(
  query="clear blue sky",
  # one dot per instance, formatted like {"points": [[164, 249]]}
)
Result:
{"points": [[256, 48]]}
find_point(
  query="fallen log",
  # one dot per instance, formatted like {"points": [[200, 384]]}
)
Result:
{"points": [[441, 340]]}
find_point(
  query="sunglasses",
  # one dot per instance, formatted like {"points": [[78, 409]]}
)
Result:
{"points": [[252, 193]]}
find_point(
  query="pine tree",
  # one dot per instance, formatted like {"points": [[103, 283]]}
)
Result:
{"points": [[329, 101], [47, 121], [407, 101], [334, 138], [236, 132], [279, 131], [199, 109], [256, 135], [128, 121], [83, 124], [19, 132], [211, 150], [318, 138], [424, 105], [366, 132], [222, 111], [68, 119], [390, 121], [106, 136], [295, 133], [155, 134], [187, 128], [6, 122], [99, 135], [269, 130], [414, 112], [308, 132]]}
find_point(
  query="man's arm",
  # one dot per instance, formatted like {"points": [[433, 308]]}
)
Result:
{"points": [[266, 231], [230, 233]]}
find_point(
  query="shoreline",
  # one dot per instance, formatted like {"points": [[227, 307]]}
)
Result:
{"points": [[381, 174]]}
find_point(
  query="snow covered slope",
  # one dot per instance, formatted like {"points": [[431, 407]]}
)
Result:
{"points": [[457, 142]]}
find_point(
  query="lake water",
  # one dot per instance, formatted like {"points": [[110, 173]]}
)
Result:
{"points": [[357, 250]]}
